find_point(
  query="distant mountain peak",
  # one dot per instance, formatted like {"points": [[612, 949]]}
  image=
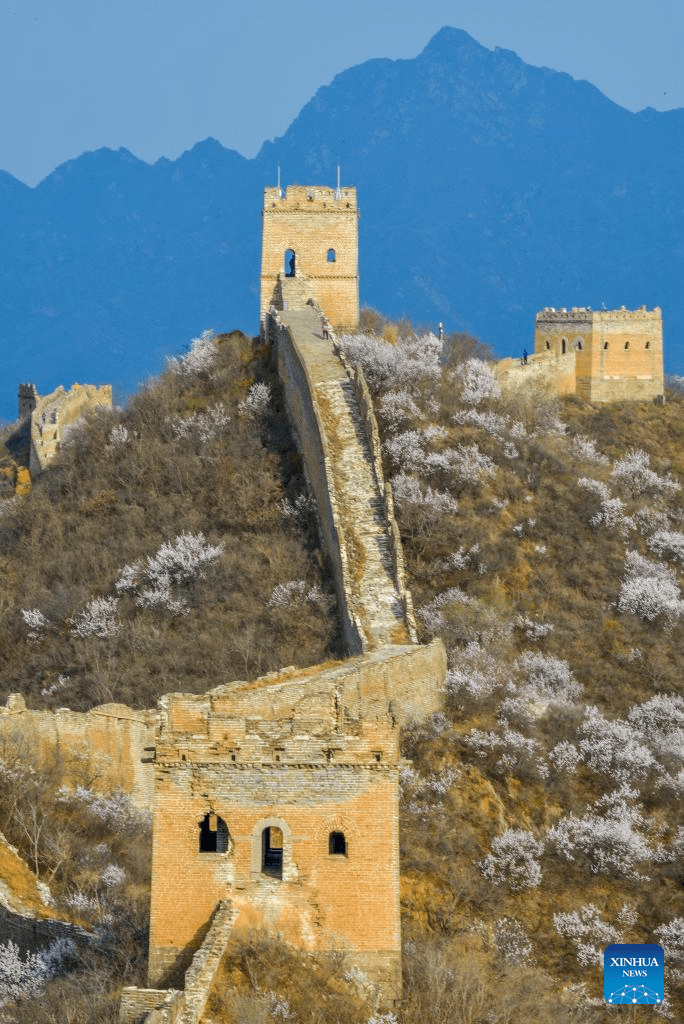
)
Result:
{"points": [[449, 41]]}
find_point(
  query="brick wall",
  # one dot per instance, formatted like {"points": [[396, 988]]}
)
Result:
{"points": [[311, 751], [618, 353], [106, 744]]}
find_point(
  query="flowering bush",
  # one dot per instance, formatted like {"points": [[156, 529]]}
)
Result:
{"points": [[588, 932], [478, 382], [547, 678], [608, 842], [667, 543], [36, 622], [257, 401], [293, 593], [513, 860], [408, 491], [200, 357], [204, 426], [634, 473], [610, 746], [397, 409], [649, 590], [564, 756], [584, 448], [98, 618], [512, 942], [21, 977], [175, 563], [409, 364]]}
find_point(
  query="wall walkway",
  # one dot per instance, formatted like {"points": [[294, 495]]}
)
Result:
{"points": [[334, 423]]}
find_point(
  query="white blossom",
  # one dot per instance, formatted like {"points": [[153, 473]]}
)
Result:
{"points": [[610, 746], [478, 382], [667, 543], [547, 678], [36, 622], [608, 840], [513, 860], [589, 933], [409, 491], [293, 593], [649, 590], [585, 448], [397, 408], [205, 426], [564, 756], [98, 618], [512, 942], [20, 977], [634, 473], [118, 436], [257, 401], [199, 358]]}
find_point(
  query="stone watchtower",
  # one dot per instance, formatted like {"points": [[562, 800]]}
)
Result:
{"points": [[310, 238], [618, 353]]}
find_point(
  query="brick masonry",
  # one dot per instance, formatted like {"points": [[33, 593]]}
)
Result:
{"points": [[313, 222], [310, 752], [599, 355]]}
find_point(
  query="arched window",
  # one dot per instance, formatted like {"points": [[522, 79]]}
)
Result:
{"points": [[564, 345], [548, 346], [290, 263], [213, 834], [337, 843], [272, 851], [578, 344], [605, 345], [648, 344], [626, 345], [332, 255]]}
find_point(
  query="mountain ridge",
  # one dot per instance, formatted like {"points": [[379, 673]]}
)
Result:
{"points": [[489, 189]]}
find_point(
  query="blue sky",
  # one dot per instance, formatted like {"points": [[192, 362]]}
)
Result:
{"points": [[156, 76]]}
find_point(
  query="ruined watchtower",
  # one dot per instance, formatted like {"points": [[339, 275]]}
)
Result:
{"points": [[310, 249], [282, 796]]}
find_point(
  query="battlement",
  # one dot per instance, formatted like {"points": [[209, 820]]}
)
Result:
{"points": [[585, 314], [308, 198], [600, 355]]}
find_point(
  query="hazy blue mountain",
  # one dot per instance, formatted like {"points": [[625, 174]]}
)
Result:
{"points": [[488, 189]]}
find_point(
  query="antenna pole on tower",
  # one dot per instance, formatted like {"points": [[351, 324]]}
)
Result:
{"points": [[338, 191], [280, 191]]}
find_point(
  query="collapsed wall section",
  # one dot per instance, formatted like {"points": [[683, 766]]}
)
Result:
{"points": [[54, 414], [106, 744]]}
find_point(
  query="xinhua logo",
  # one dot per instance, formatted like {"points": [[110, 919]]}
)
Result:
{"points": [[634, 973]]}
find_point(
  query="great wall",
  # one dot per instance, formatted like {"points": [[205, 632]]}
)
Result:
{"points": [[276, 802]]}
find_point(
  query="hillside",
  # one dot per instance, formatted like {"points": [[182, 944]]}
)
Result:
{"points": [[541, 812], [172, 541], [516, 187]]}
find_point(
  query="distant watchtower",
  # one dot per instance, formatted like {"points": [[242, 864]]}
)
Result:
{"points": [[311, 234], [618, 353]]}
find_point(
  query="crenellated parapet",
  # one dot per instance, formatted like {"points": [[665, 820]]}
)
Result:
{"points": [[600, 355], [312, 231]]}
